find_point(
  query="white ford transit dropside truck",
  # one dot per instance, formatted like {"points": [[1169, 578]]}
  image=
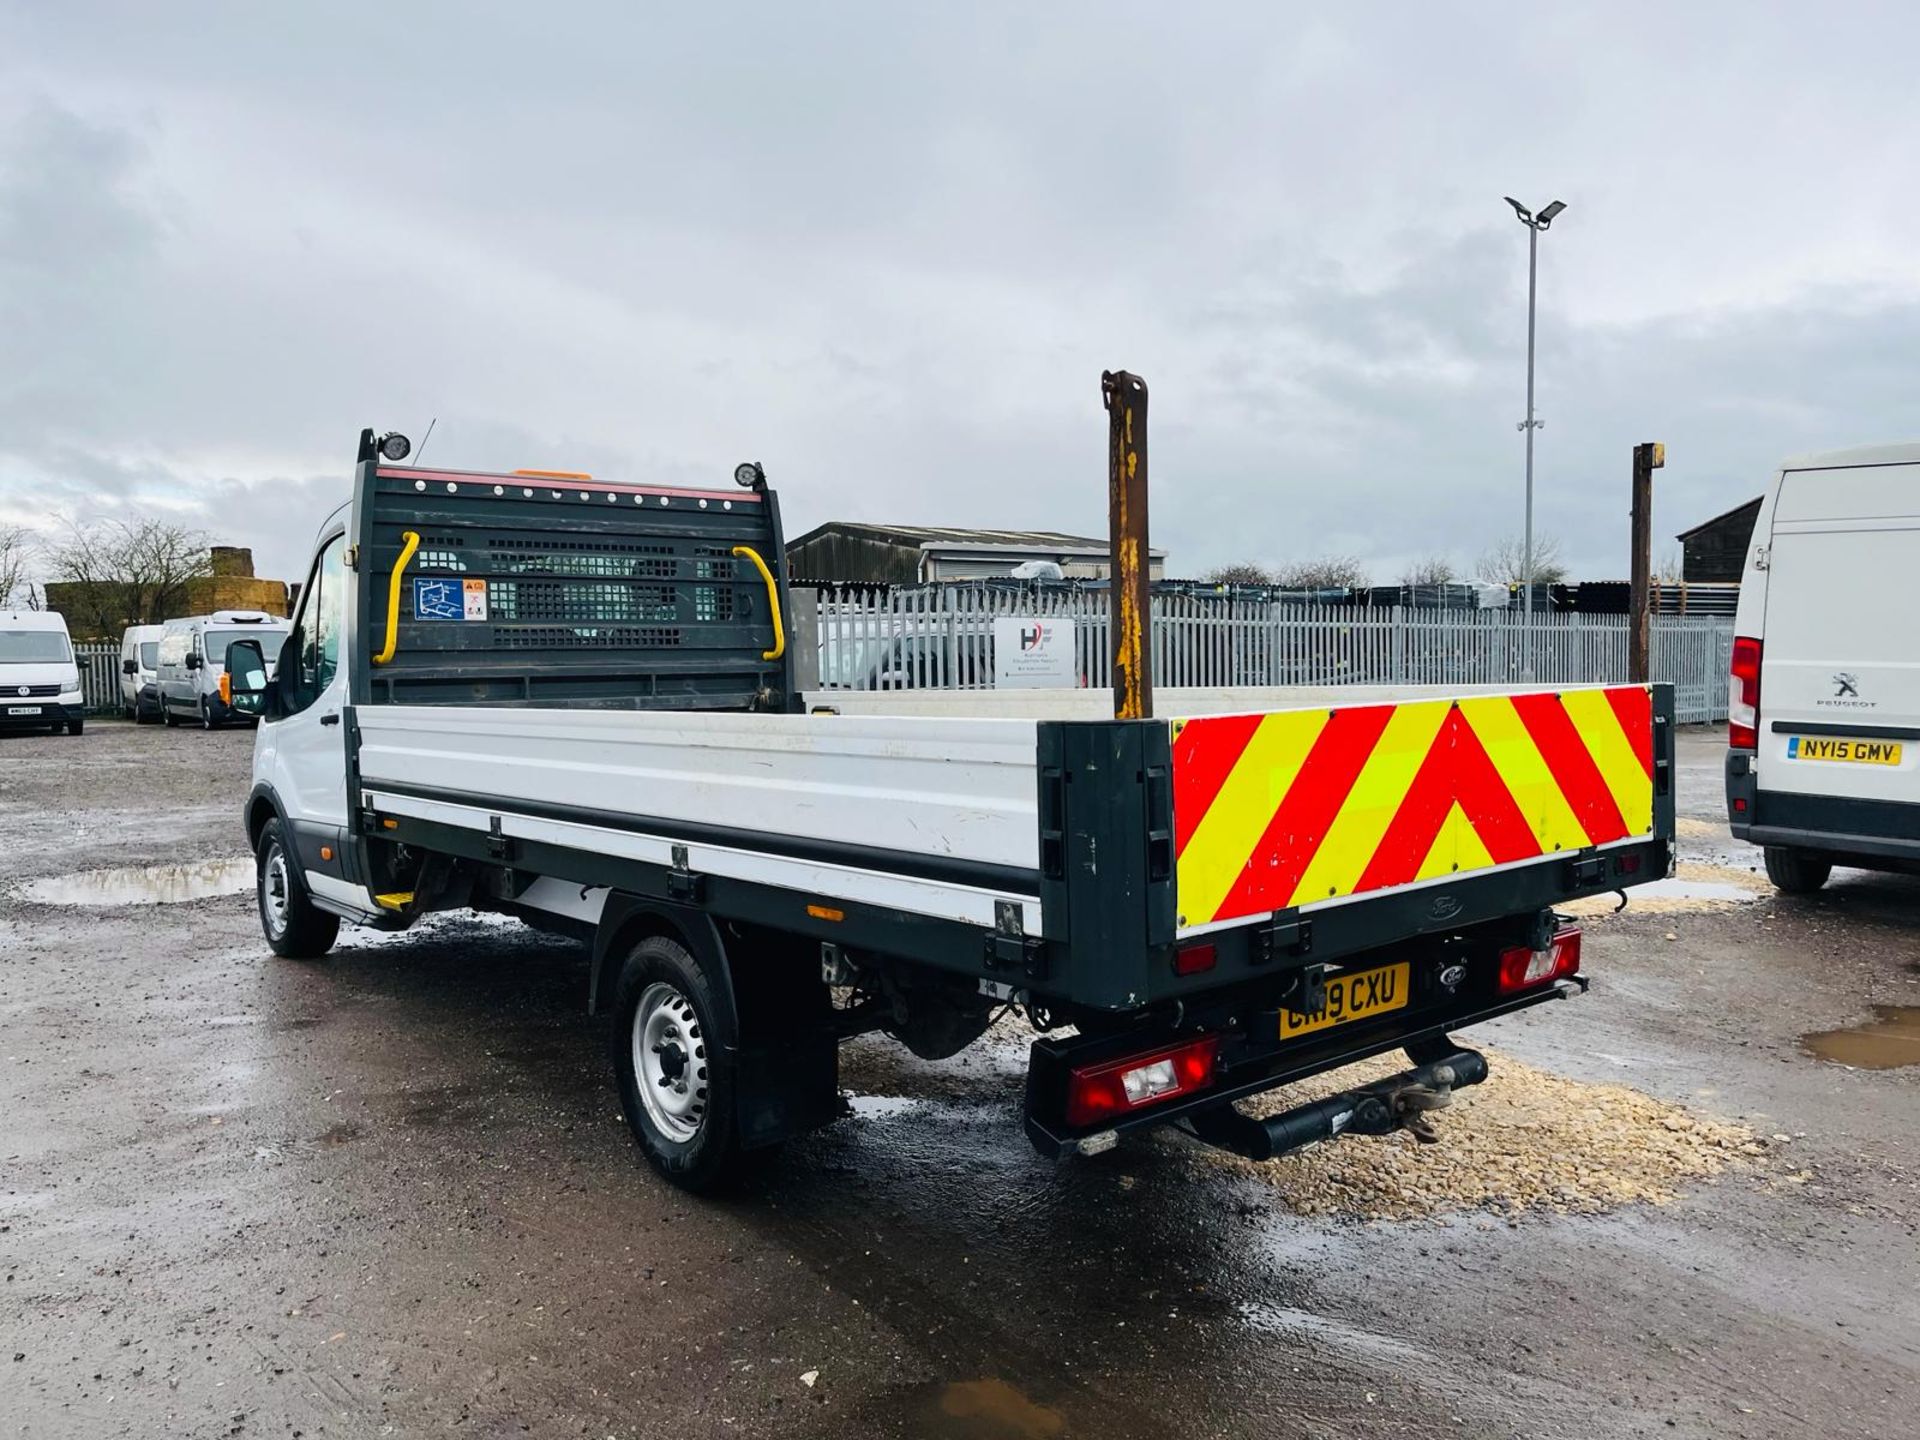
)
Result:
{"points": [[576, 702], [1823, 746]]}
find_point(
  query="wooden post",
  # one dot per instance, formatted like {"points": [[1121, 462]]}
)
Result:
{"points": [[1647, 458], [1125, 397]]}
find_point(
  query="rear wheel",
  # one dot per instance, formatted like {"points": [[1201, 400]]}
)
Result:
{"points": [[1796, 872], [673, 1043], [296, 929]]}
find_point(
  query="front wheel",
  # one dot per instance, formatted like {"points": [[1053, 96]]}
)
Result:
{"points": [[76, 725], [1796, 872], [673, 1043], [296, 929], [206, 715], [167, 717]]}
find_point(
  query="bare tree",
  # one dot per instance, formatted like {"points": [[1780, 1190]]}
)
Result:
{"points": [[1244, 572], [1327, 572], [1434, 570], [1505, 561], [16, 560], [1671, 569], [125, 572]]}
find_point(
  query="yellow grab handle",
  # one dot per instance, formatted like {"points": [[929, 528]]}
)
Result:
{"points": [[773, 602], [393, 597]]}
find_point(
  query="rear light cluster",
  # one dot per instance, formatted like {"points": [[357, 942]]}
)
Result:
{"points": [[1522, 968], [1113, 1088], [1743, 695]]}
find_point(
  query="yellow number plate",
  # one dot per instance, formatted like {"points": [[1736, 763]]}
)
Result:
{"points": [[1359, 996], [1853, 752]]}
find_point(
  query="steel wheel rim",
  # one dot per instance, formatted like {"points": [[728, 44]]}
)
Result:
{"points": [[670, 1062], [275, 897]]}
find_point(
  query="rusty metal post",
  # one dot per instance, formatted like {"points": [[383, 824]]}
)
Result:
{"points": [[1647, 458], [1130, 604]]}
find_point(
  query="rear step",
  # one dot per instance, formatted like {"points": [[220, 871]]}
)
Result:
{"points": [[1399, 1101]]}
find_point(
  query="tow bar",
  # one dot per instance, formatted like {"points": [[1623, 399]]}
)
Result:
{"points": [[1398, 1102]]}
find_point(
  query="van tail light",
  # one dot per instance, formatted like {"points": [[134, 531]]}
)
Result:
{"points": [[1114, 1088], [1522, 968], [1743, 695]]}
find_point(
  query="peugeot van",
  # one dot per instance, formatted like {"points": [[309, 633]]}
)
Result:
{"points": [[39, 680], [193, 657], [1823, 757], [139, 667]]}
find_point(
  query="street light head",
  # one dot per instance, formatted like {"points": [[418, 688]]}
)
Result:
{"points": [[1526, 215], [1547, 212]]}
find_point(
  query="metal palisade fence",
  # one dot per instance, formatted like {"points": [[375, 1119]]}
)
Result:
{"points": [[99, 675], [941, 637]]}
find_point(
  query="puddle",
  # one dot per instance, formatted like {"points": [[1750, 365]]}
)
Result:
{"points": [[981, 1410], [1692, 886], [1887, 1042], [144, 884], [1681, 888]]}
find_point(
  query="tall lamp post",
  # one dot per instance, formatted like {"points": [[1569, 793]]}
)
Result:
{"points": [[1535, 224]]}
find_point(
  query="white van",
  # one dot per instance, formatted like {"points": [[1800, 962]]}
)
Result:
{"points": [[39, 681], [1823, 762], [139, 667], [193, 657]]}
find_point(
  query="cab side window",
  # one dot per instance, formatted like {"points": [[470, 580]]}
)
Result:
{"points": [[314, 645]]}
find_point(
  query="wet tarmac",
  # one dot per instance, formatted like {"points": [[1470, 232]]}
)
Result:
{"points": [[390, 1194]]}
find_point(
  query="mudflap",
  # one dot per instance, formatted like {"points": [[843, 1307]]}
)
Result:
{"points": [[786, 1090]]}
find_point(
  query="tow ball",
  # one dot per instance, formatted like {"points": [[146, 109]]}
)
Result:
{"points": [[1403, 1101]]}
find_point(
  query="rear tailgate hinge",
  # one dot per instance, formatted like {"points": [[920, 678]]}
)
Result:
{"points": [[1287, 935], [1008, 945]]}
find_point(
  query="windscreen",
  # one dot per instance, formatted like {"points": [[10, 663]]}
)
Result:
{"points": [[33, 647], [217, 641]]}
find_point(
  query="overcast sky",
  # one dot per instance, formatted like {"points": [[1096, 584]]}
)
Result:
{"points": [[887, 250]]}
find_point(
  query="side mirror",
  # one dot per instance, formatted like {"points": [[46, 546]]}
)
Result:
{"points": [[244, 685], [193, 662], [129, 667]]}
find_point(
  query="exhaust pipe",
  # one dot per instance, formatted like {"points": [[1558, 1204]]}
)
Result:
{"points": [[1398, 1102]]}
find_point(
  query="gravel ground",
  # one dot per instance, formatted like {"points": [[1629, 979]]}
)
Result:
{"points": [[390, 1194]]}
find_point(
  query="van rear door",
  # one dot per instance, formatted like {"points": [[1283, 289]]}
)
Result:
{"points": [[1840, 664]]}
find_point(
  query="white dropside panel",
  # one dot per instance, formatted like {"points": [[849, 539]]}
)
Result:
{"points": [[939, 899], [954, 788], [1085, 704]]}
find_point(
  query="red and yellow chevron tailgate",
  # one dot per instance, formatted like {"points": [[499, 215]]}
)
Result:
{"points": [[1272, 811]]}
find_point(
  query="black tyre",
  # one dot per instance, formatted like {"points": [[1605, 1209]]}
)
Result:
{"points": [[206, 714], [167, 716], [1796, 872], [296, 929], [76, 725], [129, 712], [674, 1036]]}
